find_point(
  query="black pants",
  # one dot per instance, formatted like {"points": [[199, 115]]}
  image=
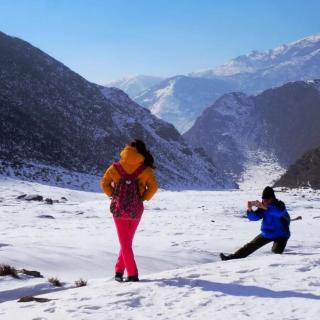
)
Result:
{"points": [[278, 246]]}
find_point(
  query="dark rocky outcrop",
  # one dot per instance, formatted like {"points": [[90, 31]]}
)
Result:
{"points": [[305, 172]]}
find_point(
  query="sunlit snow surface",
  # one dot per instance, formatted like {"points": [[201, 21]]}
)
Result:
{"points": [[260, 172], [177, 248]]}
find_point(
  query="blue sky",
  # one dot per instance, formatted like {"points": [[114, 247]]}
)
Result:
{"points": [[109, 39]]}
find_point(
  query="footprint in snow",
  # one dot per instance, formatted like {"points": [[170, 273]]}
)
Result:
{"points": [[50, 310], [194, 276], [304, 269], [45, 216], [5, 245], [247, 270], [91, 307]]}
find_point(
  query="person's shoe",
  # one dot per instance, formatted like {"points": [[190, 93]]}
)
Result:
{"points": [[132, 279], [118, 277], [223, 257]]}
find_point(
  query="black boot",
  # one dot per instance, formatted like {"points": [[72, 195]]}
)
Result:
{"points": [[223, 257], [132, 279], [118, 277]]}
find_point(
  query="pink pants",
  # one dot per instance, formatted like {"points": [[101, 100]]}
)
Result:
{"points": [[126, 230]]}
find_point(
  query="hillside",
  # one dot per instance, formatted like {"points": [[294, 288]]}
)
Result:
{"points": [[305, 172], [51, 116], [279, 124]]}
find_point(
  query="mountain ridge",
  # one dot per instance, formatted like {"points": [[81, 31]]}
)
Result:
{"points": [[257, 55], [134, 85], [251, 73]]}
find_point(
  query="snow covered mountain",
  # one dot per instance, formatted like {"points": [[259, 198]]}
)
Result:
{"points": [[224, 131], [279, 124], [181, 99], [134, 85], [293, 60], [305, 172], [53, 118]]}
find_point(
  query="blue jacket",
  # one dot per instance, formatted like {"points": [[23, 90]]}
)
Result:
{"points": [[275, 220]]}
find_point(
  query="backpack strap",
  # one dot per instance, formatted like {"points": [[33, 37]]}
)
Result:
{"points": [[124, 174], [120, 169], [138, 171]]}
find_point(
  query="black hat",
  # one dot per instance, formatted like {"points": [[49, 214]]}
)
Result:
{"points": [[268, 193]]}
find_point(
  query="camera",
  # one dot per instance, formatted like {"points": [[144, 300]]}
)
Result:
{"points": [[254, 203]]}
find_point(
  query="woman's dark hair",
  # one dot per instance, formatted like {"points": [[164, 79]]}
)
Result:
{"points": [[142, 149]]}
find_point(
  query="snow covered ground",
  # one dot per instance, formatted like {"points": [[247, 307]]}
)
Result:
{"points": [[177, 248]]}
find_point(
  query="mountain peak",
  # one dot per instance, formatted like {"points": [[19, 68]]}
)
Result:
{"points": [[312, 38], [134, 85], [233, 104]]}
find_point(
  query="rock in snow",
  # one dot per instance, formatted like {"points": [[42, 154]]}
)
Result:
{"points": [[32, 197]]}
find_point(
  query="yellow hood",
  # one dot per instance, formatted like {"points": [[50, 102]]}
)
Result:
{"points": [[131, 156]]}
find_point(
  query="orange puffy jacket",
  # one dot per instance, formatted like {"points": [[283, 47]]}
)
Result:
{"points": [[130, 159]]}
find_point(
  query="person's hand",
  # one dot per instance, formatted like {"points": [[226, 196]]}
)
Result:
{"points": [[260, 205], [249, 206]]}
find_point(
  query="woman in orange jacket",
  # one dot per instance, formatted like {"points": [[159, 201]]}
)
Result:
{"points": [[129, 182]]}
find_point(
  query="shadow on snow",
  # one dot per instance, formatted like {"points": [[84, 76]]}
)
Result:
{"points": [[233, 289]]}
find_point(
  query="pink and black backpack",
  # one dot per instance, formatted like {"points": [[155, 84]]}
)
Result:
{"points": [[126, 201]]}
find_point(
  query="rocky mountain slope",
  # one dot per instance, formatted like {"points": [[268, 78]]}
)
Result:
{"points": [[280, 124], [134, 85], [181, 99], [51, 116], [305, 172]]}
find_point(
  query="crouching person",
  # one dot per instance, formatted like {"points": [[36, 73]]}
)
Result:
{"points": [[274, 227]]}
